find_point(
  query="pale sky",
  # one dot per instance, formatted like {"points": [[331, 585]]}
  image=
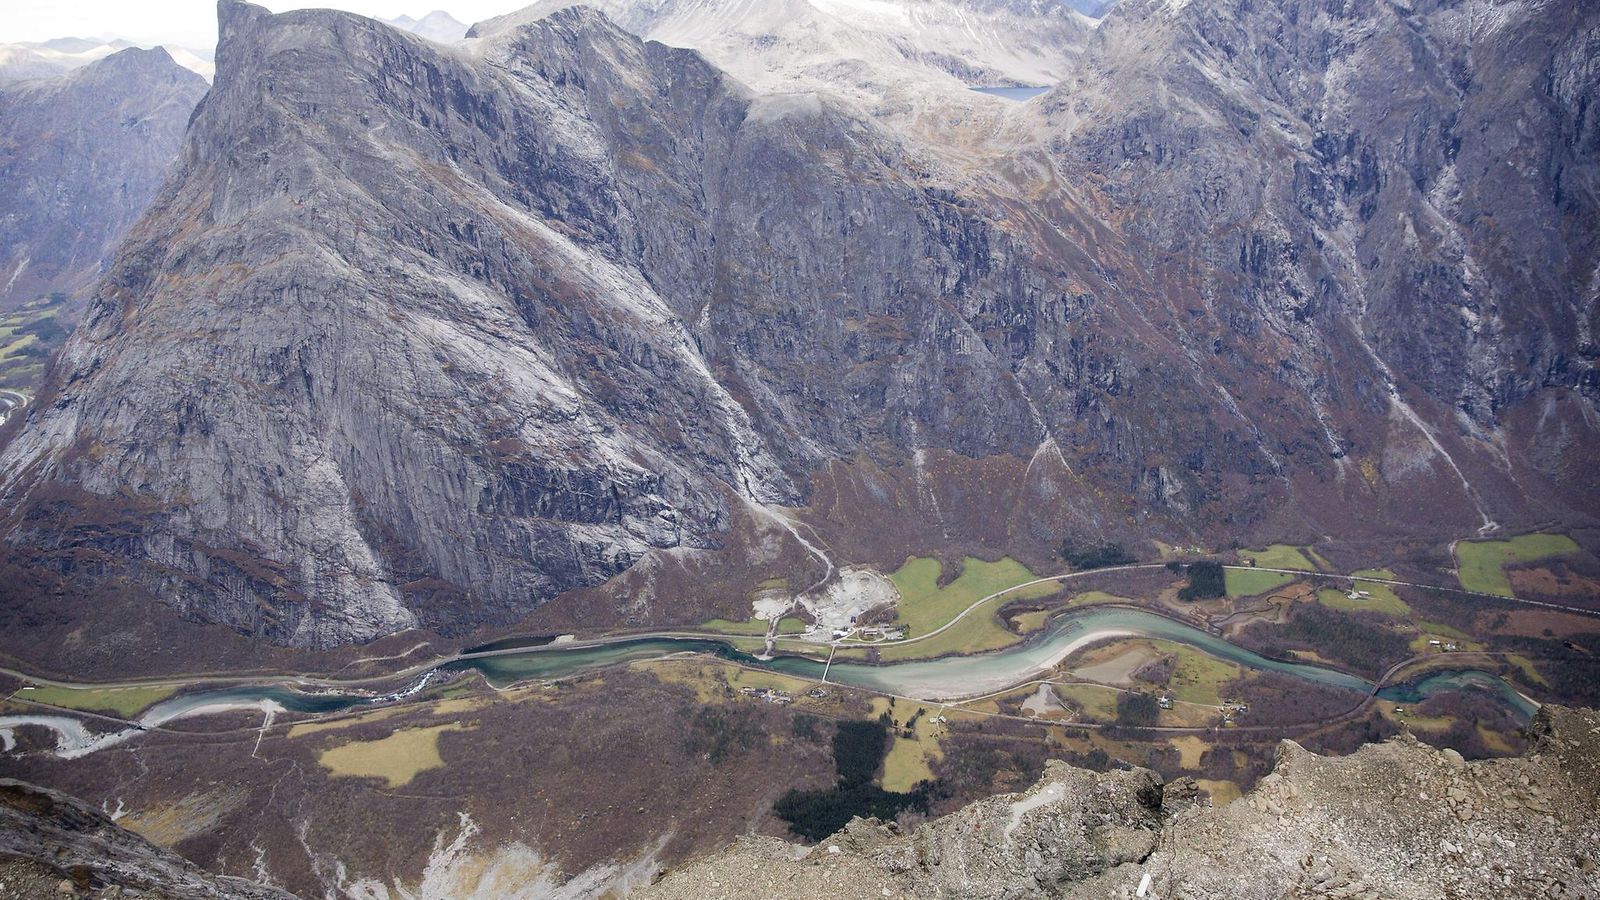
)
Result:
{"points": [[193, 23]]}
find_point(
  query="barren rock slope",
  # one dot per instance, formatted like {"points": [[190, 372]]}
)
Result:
{"points": [[422, 336], [54, 846]]}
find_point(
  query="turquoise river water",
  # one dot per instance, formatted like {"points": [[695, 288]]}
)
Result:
{"points": [[948, 678]]}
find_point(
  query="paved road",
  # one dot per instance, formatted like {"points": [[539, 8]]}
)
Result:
{"points": [[1432, 587], [997, 594], [1389, 675], [417, 669], [11, 403], [1066, 576]]}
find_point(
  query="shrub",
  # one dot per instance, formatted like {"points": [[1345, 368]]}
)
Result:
{"points": [[717, 733], [1095, 557], [1277, 699], [858, 750], [1137, 710], [1206, 580], [804, 726], [816, 814], [1157, 671], [46, 329], [1361, 641]]}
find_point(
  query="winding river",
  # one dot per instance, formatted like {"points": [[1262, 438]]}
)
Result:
{"points": [[948, 678]]}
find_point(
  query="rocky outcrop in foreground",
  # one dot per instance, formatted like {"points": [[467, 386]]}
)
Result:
{"points": [[1393, 820], [53, 845]]}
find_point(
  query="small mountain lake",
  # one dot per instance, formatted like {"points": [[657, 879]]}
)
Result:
{"points": [[1018, 94]]}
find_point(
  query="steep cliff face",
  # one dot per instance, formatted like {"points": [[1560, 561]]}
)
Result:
{"points": [[1392, 205], [81, 156], [410, 334], [424, 335], [365, 203]]}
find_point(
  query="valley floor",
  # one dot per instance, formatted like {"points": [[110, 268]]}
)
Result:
{"points": [[630, 751]]}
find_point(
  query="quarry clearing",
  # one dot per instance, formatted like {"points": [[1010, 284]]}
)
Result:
{"points": [[838, 605]]}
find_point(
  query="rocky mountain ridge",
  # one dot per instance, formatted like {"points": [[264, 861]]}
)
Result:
{"points": [[424, 336], [27, 60], [435, 26], [52, 845], [1422, 240], [81, 156], [546, 239], [884, 55]]}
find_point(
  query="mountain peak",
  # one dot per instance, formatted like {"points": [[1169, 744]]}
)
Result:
{"points": [[134, 59], [146, 66], [593, 240], [233, 15], [437, 25], [580, 15], [101, 135], [234, 19]]}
